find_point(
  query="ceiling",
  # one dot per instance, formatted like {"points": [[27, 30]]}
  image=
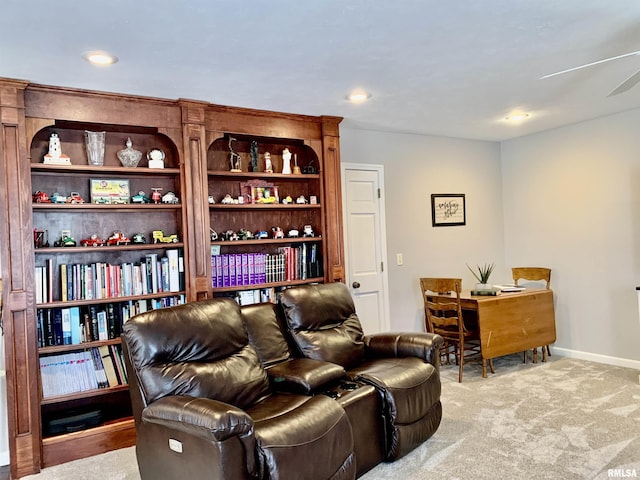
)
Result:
{"points": [[440, 67]]}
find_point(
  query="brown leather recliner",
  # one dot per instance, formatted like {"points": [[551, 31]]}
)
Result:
{"points": [[287, 372], [204, 408], [403, 367]]}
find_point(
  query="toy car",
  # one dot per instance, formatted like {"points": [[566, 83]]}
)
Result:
{"points": [[301, 199], [169, 197], [262, 234], [278, 232], [75, 198], [57, 198], [227, 199], [92, 241], [160, 237], [212, 200], [140, 198], [245, 234], [156, 196], [138, 238], [65, 241], [40, 197], [118, 238], [293, 233], [213, 235], [307, 231]]}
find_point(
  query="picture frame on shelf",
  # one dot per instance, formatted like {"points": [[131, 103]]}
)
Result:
{"points": [[448, 209], [110, 191], [264, 194]]}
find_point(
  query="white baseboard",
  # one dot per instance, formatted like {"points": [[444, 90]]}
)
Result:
{"points": [[595, 357]]}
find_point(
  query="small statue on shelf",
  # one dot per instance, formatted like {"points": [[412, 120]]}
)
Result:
{"points": [[286, 161], [234, 157], [55, 155], [268, 167], [253, 149]]}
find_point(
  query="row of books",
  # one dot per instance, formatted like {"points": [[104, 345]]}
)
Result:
{"points": [[257, 295], [100, 280], [97, 322], [245, 269], [90, 369]]}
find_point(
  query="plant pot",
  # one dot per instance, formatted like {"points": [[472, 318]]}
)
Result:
{"points": [[483, 286]]}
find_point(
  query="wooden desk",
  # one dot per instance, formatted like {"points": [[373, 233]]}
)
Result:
{"points": [[511, 322]]}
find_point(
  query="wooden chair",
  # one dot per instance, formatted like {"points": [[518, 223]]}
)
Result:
{"points": [[444, 317], [534, 274]]}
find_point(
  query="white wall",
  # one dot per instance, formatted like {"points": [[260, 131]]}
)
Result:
{"points": [[572, 202], [415, 167]]}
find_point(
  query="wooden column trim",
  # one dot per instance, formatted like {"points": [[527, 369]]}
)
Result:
{"points": [[21, 352], [333, 199], [195, 156]]}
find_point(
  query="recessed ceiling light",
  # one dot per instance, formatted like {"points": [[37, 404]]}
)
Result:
{"points": [[100, 58], [517, 117], [358, 96]]}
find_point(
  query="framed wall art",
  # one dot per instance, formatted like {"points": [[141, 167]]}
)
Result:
{"points": [[448, 209]]}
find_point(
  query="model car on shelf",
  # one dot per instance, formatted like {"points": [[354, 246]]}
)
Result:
{"points": [[118, 238], [277, 232], [262, 234], [138, 238], [292, 233], [57, 198], [40, 197], [169, 197], [75, 198], [156, 196], [213, 235], [141, 197], [65, 241], [307, 231], [92, 241], [245, 234], [159, 237]]}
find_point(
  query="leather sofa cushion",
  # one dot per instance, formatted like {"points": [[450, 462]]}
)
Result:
{"points": [[323, 323], [304, 375], [199, 349], [303, 437], [409, 385], [266, 333]]}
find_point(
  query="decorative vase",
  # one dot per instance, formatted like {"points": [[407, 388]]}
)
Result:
{"points": [[483, 286], [129, 157], [95, 147]]}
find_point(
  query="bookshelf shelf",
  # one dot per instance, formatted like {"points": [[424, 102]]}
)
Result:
{"points": [[290, 283], [77, 346], [84, 395]]}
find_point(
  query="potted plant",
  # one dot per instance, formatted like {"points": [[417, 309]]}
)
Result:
{"points": [[482, 274]]}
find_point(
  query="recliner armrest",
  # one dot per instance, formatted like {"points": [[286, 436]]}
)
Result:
{"points": [[207, 419], [304, 375], [421, 345], [203, 417]]}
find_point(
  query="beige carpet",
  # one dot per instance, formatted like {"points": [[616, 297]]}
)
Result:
{"points": [[565, 419]]}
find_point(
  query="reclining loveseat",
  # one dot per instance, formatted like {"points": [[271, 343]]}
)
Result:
{"points": [[293, 390]]}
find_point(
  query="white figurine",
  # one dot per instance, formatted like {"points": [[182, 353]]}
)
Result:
{"points": [[286, 161], [267, 163], [55, 155]]}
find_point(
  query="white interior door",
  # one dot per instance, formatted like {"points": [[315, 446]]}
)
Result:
{"points": [[365, 243]]}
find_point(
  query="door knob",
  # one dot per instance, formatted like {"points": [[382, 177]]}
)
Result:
{"points": [[355, 285]]}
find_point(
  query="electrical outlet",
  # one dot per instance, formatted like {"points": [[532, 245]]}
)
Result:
{"points": [[399, 259]]}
